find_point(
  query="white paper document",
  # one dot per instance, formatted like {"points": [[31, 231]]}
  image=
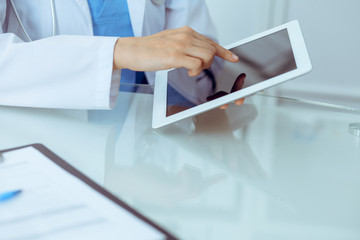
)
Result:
{"points": [[54, 204]]}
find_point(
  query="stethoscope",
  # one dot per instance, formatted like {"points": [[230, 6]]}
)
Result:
{"points": [[28, 38], [53, 17]]}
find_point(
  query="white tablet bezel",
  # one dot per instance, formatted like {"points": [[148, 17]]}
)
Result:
{"points": [[302, 60]]}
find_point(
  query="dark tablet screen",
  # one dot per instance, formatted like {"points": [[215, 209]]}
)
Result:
{"points": [[260, 60]]}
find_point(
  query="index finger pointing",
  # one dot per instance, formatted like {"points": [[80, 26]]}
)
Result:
{"points": [[225, 54], [220, 51]]}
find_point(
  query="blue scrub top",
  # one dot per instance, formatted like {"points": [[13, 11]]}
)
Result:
{"points": [[111, 18]]}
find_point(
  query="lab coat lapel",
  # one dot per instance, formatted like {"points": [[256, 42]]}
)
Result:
{"points": [[84, 7], [137, 10]]}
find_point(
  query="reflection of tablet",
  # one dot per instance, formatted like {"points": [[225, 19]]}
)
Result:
{"points": [[268, 59]]}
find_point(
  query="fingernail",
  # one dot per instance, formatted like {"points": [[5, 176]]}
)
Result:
{"points": [[239, 102], [223, 107], [235, 57]]}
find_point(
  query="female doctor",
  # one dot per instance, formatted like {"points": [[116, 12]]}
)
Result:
{"points": [[49, 56]]}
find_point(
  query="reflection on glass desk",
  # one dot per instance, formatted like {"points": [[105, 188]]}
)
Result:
{"points": [[270, 169]]}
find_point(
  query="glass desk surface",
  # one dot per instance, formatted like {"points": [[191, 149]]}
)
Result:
{"points": [[270, 169]]}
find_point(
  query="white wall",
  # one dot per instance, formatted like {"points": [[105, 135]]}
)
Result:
{"points": [[237, 19], [331, 30], [332, 33]]}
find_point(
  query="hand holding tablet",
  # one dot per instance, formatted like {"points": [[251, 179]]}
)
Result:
{"points": [[268, 59], [238, 85]]}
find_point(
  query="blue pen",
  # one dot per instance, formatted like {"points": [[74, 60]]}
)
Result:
{"points": [[6, 196]]}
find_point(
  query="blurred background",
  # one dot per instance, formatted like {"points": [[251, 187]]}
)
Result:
{"points": [[332, 33]]}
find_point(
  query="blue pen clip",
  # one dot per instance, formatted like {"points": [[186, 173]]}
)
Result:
{"points": [[6, 196]]}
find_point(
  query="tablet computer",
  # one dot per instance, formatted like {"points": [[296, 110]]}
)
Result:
{"points": [[268, 59]]}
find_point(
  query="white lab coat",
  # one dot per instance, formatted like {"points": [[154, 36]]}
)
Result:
{"points": [[74, 70]]}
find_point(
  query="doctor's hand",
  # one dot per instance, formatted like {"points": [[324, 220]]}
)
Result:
{"points": [[176, 48]]}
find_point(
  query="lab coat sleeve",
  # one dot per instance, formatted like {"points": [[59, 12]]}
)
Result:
{"points": [[71, 72]]}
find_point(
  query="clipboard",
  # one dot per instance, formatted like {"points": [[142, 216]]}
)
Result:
{"points": [[90, 183]]}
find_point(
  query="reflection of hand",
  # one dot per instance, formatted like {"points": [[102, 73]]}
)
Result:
{"points": [[175, 48], [238, 85], [151, 183]]}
